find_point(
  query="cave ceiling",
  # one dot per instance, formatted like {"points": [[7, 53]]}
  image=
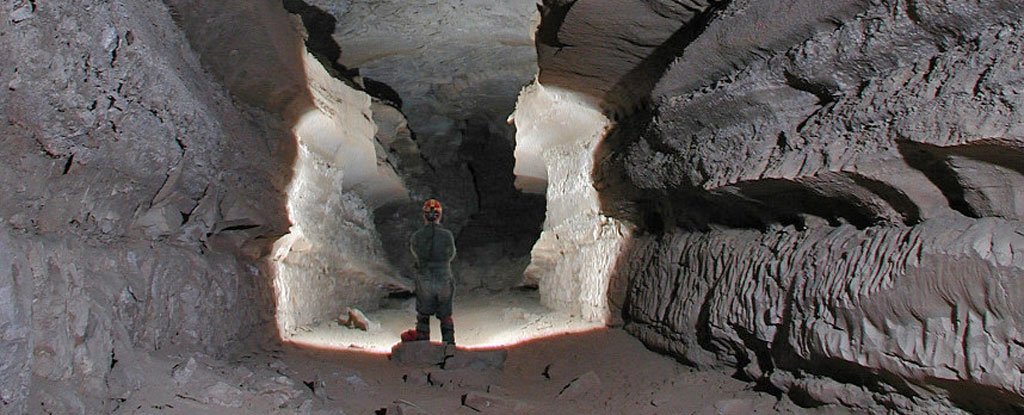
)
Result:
{"points": [[449, 61]]}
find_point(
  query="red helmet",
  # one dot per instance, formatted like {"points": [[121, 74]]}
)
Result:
{"points": [[432, 210]]}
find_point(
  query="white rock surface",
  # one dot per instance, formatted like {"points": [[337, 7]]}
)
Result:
{"points": [[341, 131], [331, 257], [344, 265], [557, 134]]}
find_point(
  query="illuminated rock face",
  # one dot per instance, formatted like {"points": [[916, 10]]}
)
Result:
{"points": [[827, 196], [340, 131], [332, 257], [336, 259], [557, 134], [152, 166]]}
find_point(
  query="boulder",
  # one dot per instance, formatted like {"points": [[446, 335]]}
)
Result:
{"points": [[419, 353], [424, 353]]}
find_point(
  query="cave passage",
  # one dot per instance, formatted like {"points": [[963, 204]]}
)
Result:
{"points": [[495, 305], [391, 128], [817, 206]]}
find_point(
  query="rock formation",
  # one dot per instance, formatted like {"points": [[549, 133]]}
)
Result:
{"points": [[168, 166], [827, 196], [129, 223], [557, 134]]}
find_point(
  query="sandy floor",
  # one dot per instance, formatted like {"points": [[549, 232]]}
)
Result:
{"points": [[482, 319]]}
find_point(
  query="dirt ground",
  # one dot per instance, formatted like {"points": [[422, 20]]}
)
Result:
{"points": [[602, 371]]}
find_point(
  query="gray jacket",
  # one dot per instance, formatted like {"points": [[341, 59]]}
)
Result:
{"points": [[434, 248]]}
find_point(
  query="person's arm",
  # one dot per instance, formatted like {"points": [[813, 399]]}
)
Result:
{"points": [[449, 246], [412, 248]]}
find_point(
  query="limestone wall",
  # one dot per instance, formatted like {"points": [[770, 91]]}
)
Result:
{"points": [[149, 168], [331, 256], [897, 314], [827, 195], [557, 134], [137, 197]]}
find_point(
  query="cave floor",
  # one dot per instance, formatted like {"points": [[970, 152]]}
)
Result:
{"points": [[482, 319], [613, 373], [594, 370]]}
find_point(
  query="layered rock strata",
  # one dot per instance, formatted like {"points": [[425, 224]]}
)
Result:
{"points": [[875, 318], [152, 163], [137, 199], [827, 196], [332, 256]]}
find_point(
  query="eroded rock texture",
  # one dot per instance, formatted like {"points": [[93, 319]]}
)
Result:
{"points": [[137, 196], [557, 133], [828, 195], [344, 167], [899, 313], [173, 178]]}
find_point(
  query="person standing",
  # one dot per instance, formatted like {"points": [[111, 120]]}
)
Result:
{"points": [[433, 247]]}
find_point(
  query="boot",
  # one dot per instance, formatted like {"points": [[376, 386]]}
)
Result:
{"points": [[423, 327], [448, 330]]}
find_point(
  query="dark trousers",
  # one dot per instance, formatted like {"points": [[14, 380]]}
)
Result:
{"points": [[434, 295]]}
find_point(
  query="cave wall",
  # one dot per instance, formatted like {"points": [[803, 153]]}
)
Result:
{"points": [[155, 164], [827, 196], [126, 165], [870, 318], [331, 257]]}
